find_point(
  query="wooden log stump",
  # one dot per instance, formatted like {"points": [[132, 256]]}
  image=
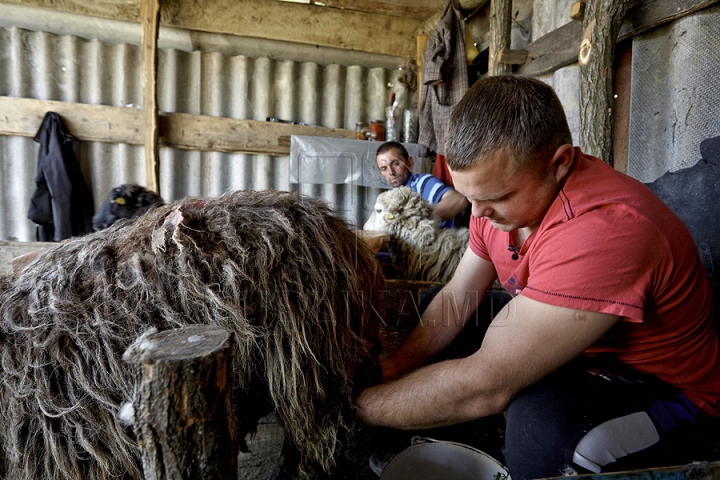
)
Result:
{"points": [[183, 412]]}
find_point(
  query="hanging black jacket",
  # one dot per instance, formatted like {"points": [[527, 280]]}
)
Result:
{"points": [[61, 204]]}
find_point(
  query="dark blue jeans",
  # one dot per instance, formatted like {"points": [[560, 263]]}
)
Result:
{"points": [[597, 415]]}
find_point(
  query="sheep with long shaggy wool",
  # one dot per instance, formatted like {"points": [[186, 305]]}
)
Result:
{"points": [[420, 249], [279, 270]]}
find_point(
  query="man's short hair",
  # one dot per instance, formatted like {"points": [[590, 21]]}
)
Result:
{"points": [[520, 115], [393, 146]]}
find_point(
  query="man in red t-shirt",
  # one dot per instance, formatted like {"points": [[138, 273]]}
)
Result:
{"points": [[605, 358]]}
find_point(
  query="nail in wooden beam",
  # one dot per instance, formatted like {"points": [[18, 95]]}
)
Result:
{"points": [[150, 18]]}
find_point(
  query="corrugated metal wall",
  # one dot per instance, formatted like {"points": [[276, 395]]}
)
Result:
{"points": [[69, 68], [675, 94]]}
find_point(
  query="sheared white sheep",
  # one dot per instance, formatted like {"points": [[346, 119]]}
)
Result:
{"points": [[420, 249]]}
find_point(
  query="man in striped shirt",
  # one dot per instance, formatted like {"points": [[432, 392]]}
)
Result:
{"points": [[396, 166]]}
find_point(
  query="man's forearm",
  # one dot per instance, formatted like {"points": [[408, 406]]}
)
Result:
{"points": [[440, 394]]}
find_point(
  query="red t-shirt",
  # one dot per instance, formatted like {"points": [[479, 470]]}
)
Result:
{"points": [[608, 244]]}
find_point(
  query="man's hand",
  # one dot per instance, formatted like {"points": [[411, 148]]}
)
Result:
{"points": [[526, 341]]}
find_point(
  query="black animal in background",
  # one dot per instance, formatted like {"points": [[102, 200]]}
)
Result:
{"points": [[126, 201]]}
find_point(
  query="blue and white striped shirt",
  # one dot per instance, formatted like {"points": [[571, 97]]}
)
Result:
{"points": [[431, 189]]}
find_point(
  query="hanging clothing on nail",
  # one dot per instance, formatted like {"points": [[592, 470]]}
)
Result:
{"points": [[445, 78], [61, 204]]}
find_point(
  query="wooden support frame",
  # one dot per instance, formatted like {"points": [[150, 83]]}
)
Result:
{"points": [[100, 123], [150, 18], [14, 256], [577, 10], [420, 44], [419, 9], [376, 33], [561, 47], [601, 23], [621, 105], [500, 23]]}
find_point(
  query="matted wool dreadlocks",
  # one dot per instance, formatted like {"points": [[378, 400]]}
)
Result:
{"points": [[280, 270]]}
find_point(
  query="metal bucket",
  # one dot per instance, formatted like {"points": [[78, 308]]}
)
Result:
{"points": [[436, 460]]}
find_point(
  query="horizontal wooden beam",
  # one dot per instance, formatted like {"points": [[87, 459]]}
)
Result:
{"points": [[555, 50], [101, 123], [11, 251], [419, 9], [291, 22], [560, 47], [648, 14]]}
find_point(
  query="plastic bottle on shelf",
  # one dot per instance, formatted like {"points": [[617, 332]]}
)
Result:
{"points": [[409, 128], [390, 131], [390, 127]]}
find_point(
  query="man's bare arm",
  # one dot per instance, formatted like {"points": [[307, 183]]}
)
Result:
{"points": [[445, 317], [451, 203], [525, 342]]}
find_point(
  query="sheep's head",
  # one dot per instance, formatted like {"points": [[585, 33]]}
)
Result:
{"points": [[398, 209]]}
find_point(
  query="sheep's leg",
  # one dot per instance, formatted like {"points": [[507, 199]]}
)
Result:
{"points": [[288, 466]]}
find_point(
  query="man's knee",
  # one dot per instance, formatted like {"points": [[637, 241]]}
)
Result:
{"points": [[615, 439], [566, 423], [540, 435]]}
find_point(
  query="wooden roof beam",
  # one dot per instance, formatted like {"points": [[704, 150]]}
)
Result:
{"points": [[291, 22]]}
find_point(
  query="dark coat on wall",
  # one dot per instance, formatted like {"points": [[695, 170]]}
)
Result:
{"points": [[61, 204]]}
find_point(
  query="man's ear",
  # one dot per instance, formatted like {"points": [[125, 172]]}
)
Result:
{"points": [[410, 163], [562, 161]]}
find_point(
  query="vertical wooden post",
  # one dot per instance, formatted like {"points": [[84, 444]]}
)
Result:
{"points": [[601, 24], [150, 17], [420, 44], [621, 105], [500, 20], [183, 414]]}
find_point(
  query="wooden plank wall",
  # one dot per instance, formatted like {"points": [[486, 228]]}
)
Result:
{"points": [[100, 123]]}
